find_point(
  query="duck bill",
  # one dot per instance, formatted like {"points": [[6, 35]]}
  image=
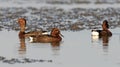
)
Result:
{"points": [[61, 35]]}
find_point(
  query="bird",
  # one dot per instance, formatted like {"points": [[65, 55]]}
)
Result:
{"points": [[104, 32], [22, 33], [54, 36]]}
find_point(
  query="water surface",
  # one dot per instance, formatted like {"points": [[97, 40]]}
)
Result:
{"points": [[76, 49]]}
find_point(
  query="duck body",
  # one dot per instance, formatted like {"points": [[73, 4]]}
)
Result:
{"points": [[101, 33], [31, 34], [106, 33], [53, 37], [96, 32], [35, 33], [45, 39]]}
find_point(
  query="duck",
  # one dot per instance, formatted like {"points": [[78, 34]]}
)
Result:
{"points": [[104, 32], [22, 33], [54, 36]]}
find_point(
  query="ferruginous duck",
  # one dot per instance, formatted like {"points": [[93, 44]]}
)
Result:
{"points": [[54, 36], [22, 24]]}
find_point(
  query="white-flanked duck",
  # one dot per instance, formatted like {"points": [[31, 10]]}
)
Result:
{"points": [[104, 32]]}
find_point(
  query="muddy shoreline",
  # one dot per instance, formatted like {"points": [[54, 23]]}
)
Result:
{"points": [[49, 17]]}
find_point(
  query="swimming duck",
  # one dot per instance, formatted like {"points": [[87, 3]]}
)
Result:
{"points": [[104, 31], [22, 24], [54, 36]]}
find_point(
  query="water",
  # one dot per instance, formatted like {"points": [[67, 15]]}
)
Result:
{"points": [[78, 47]]}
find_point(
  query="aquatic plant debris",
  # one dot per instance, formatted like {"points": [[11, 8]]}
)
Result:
{"points": [[24, 60]]}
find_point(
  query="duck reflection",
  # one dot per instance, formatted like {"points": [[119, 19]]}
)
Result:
{"points": [[55, 44], [22, 48], [55, 47], [105, 39], [105, 43]]}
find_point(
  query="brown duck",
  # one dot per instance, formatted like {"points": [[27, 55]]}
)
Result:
{"points": [[105, 30], [22, 33], [54, 36]]}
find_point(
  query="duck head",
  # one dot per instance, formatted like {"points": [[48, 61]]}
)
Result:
{"points": [[22, 24], [56, 32], [105, 25]]}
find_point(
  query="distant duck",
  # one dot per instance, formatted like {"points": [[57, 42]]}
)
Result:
{"points": [[55, 36], [22, 24], [104, 31]]}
